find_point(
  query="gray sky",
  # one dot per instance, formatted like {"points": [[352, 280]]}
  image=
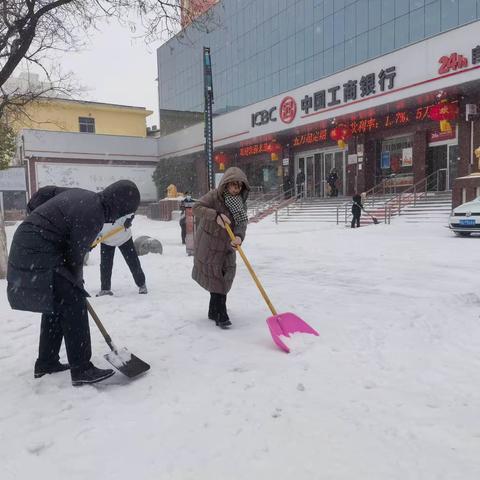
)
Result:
{"points": [[116, 68]]}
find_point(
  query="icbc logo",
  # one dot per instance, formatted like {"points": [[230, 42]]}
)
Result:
{"points": [[288, 110]]}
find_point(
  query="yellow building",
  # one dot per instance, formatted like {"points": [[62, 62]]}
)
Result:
{"points": [[65, 115]]}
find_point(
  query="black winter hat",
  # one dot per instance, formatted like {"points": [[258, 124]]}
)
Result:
{"points": [[120, 198]]}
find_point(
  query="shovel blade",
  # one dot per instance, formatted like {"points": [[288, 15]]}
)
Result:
{"points": [[127, 363], [284, 324]]}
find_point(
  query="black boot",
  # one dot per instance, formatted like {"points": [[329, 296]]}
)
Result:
{"points": [[213, 306], [45, 369], [222, 320], [90, 374]]}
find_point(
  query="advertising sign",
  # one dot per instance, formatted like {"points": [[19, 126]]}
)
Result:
{"points": [[352, 159], [385, 162], [407, 157]]}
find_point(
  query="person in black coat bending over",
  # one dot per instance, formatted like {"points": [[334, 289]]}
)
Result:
{"points": [[45, 270], [357, 208]]}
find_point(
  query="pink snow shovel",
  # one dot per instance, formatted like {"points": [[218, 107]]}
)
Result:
{"points": [[280, 324]]}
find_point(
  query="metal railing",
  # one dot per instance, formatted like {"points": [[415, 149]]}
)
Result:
{"points": [[410, 196], [271, 202], [394, 205]]}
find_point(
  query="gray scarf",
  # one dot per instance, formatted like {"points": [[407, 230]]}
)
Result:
{"points": [[237, 208]]}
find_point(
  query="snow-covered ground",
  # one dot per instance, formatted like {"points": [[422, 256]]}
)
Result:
{"points": [[389, 390]]}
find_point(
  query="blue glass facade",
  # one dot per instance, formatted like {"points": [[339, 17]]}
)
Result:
{"points": [[261, 48]]}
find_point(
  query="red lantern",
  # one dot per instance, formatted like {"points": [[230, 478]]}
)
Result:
{"points": [[443, 112], [275, 149], [221, 159], [341, 134]]}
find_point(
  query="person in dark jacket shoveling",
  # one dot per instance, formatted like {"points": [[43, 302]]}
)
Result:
{"points": [[45, 270], [214, 255]]}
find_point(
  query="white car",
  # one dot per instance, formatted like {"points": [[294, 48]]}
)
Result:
{"points": [[465, 219]]}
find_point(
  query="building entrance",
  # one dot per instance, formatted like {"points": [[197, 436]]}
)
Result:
{"points": [[443, 157], [316, 166]]}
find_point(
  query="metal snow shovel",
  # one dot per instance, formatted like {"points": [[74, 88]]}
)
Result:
{"points": [[374, 219], [279, 323], [121, 359]]}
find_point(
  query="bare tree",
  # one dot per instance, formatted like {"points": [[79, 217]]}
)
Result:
{"points": [[32, 30]]}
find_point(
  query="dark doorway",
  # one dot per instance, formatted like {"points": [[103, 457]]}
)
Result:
{"points": [[437, 158]]}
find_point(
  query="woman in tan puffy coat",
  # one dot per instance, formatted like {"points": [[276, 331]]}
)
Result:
{"points": [[214, 256]]}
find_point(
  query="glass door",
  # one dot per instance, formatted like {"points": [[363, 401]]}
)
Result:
{"points": [[333, 161], [306, 175], [310, 177], [316, 168], [319, 184]]}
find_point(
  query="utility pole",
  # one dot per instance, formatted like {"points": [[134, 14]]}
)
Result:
{"points": [[208, 93]]}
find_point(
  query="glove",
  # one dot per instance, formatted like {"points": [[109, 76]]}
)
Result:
{"points": [[222, 219], [128, 222], [237, 242]]}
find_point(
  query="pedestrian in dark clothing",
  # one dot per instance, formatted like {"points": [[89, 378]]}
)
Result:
{"points": [[214, 264], [287, 186], [123, 240], [45, 271], [357, 208], [183, 217], [183, 224], [332, 182], [300, 181]]}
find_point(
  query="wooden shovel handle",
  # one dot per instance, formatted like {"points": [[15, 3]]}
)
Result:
{"points": [[111, 233], [100, 326], [250, 269]]}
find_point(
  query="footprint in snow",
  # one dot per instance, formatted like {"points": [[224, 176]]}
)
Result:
{"points": [[277, 413], [36, 448]]}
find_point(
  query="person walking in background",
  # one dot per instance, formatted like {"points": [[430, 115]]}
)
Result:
{"points": [[332, 182], [357, 208], [183, 216], [214, 255], [183, 224], [300, 181], [123, 240], [45, 270]]}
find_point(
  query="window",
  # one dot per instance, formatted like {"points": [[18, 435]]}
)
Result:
{"points": [[328, 61], [339, 57], [417, 24], [401, 7], [388, 37], [374, 42], [338, 28], [350, 22], [374, 13], [449, 14], [86, 124], [402, 34], [467, 11], [396, 148], [388, 10], [432, 18], [350, 53]]}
